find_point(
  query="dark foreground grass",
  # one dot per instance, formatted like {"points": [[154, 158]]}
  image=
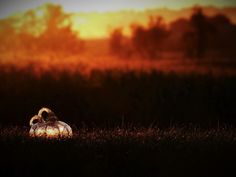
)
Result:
{"points": [[107, 98], [120, 152]]}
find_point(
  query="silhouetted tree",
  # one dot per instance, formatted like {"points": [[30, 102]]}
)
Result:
{"points": [[119, 43], [197, 37], [58, 35], [139, 40], [55, 36], [177, 29], [148, 41], [223, 38], [116, 41], [8, 34], [199, 22], [202, 36]]}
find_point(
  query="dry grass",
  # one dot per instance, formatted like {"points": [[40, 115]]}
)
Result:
{"points": [[121, 152]]}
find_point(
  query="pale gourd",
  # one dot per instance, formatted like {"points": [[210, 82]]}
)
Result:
{"points": [[47, 125]]}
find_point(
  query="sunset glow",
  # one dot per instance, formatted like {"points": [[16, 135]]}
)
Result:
{"points": [[77, 35], [96, 20]]}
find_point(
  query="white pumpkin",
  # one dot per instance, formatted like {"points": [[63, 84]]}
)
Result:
{"points": [[48, 125]]}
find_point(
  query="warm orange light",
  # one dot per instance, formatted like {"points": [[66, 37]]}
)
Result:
{"points": [[49, 39]]}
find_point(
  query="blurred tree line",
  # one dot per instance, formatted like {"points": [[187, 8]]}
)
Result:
{"points": [[49, 31], [196, 37]]}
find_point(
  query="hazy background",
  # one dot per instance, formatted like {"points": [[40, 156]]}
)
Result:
{"points": [[114, 62]]}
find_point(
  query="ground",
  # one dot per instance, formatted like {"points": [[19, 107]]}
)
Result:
{"points": [[126, 151]]}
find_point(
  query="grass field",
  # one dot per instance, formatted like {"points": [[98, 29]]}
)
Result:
{"points": [[108, 98], [147, 124], [125, 151]]}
